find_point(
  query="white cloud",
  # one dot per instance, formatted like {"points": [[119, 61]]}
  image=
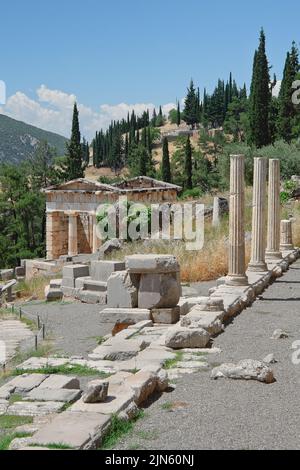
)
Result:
{"points": [[52, 110]]}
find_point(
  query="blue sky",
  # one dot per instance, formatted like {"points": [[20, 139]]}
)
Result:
{"points": [[131, 52]]}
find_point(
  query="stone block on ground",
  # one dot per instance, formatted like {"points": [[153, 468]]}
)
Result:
{"points": [[34, 363], [56, 381], [248, 369], [143, 383], [3, 406], [209, 321], [35, 408], [6, 274], [55, 283], [165, 315], [75, 430], [124, 315], [152, 263], [118, 399], [69, 291], [26, 382], [75, 270], [159, 290], [51, 394], [122, 290], [96, 391], [101, 270], [53, 294], [120, 350], [91, 297], [79, 281], [181, 337]]}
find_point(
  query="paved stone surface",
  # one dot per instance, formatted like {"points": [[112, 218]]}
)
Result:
{"points": [[35, 408], [74, 326], [56, 381], [26, 382], [50, 394], [13, 332], [76, 430], [229, 414]]}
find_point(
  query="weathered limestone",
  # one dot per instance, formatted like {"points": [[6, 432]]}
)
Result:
{"points": [[73, 271], [152, 263], [286, 236], [26, 382], [181, 337], [209, 321], [122, 290], [124, 315], [236, 269], [273, 238], [56, 381], [159, 290], [53, 295], [75, 430], [216, 212], [96, 391], [35, 408], [245, 370], [72, 236], [258, 246], [165, 315], [101, 270], [52, 394]]}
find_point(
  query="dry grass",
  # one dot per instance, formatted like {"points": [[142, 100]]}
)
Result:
{"points": [[33, 288]]}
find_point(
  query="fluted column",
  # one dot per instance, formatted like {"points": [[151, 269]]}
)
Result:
{"points": [[286, 236], [273, 237], [236, 263], [258, 246], [72, 240], [96, 240]]}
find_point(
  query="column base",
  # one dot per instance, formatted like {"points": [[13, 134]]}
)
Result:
{"points": [[258, 267], [286, 247], [273, 255], [236, 280]]}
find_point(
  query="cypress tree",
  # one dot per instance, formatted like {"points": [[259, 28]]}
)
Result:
{"points": [[165, 164], [286, 107], [190, 110], [188, 165], [75, 167], [178, 116], [260, 98]]}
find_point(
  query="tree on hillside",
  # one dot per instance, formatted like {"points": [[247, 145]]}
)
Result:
{"points": [[117, 152], [74, 163], [286, 107], [191, 106], [178, 115], [165, 164], [188, 165], [260, 97]]}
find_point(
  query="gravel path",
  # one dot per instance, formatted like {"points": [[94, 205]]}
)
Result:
{"points": [[228, 414], [74, 327]]}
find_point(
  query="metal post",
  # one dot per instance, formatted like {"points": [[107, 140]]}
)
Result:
{"points": [[36, 342]]}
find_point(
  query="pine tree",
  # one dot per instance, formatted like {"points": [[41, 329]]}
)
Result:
{"points": [[286, 107], [75, 167], [260, 98], [190, 110], [165, 165], [188, 165]]}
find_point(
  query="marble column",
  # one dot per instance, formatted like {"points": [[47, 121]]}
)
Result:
{"points": [[96, 241], [216, 212], [286, 236], [236, 262], [273, 238], [258, 246], [73, 241], [53, 239]]}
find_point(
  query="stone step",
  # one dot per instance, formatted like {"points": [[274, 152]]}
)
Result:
{"points": [[92, 285], [91, 297]]}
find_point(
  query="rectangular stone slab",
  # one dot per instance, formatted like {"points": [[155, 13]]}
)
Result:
{"points": [[35, 408], [56, 381], [26, 382], [165, 315], [50, 394], [124, 315], [101, 270], [152, 263], [76, 430], [119, 398], [76, 270]]}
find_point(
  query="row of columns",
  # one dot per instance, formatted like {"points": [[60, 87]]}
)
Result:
{"points": [[279, 234], [73, 234]]}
